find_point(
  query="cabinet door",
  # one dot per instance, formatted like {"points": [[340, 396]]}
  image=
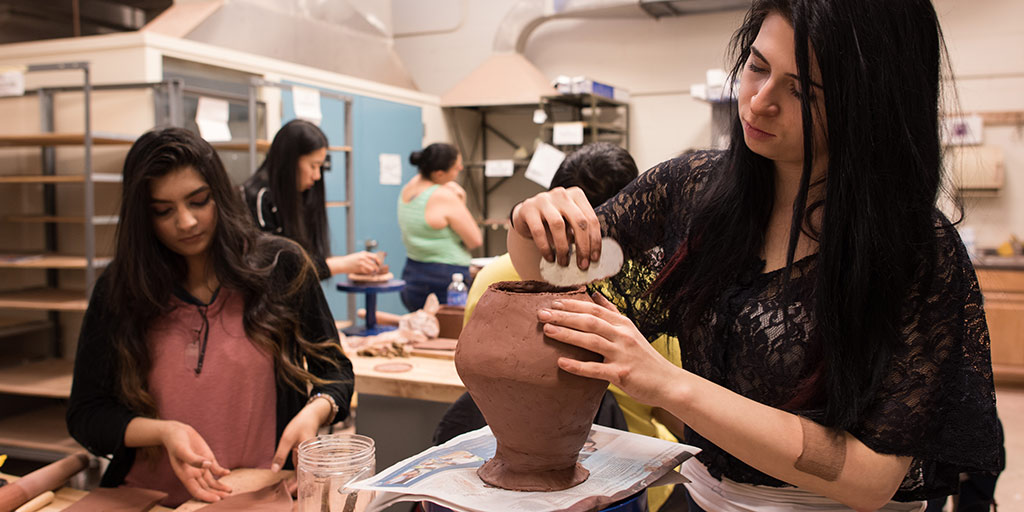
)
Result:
{"points": [[1005, 315]]}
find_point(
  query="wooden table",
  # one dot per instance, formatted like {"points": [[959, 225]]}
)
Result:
{"points": [[241, 480], [65, 496], [429, 379]]}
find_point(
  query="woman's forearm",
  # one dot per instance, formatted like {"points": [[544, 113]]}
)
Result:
{"points": [[524, 254], [146, 432], [771, 440]]}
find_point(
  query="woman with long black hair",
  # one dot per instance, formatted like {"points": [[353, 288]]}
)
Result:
{"points": [[833, 340], [207, 344], [286, 197]]}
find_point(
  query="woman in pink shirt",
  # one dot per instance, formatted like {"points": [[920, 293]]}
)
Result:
{"points": [[203, 335]]}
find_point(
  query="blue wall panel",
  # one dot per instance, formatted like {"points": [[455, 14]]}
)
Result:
{"points": [[378, 126]]}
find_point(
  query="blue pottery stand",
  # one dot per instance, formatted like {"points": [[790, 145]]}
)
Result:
{"points": [[371, 290]]}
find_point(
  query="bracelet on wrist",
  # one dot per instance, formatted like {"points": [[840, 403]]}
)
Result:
{"points": [[330, 400]]}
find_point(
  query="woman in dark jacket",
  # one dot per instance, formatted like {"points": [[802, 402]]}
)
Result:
{"points": [[203, 335], [286, 197]]}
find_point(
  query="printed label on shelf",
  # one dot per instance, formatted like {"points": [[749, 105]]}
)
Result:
{"points": [[499, 168], [12, 83], [212, 118], [543, 165], [568, 133], [307, 104]]}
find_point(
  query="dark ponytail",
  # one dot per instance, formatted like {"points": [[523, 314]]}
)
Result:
{"points": [[435, 157]]}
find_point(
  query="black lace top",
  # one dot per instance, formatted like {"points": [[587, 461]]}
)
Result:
{"points": [[936, 402]]}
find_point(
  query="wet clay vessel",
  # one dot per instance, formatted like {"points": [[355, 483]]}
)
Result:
{"points": [[539, 414]]}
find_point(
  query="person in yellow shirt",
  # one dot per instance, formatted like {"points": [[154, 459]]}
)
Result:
{"points": [[601, 169]]}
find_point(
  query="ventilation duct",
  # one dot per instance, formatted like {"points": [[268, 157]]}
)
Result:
{"points": [[507, 77]]}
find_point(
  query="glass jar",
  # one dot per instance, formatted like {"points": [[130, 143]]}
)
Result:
{"points": [[327, 466]]}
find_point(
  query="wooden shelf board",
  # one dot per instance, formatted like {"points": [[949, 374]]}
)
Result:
{"points": [[44, 299], [50, 378], [101, 220], [44, 261], [63, 139], [41, 429], [337, 204], [261, 145], [61, 178], [1008, 375]]}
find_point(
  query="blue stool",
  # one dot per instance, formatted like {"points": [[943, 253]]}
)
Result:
{"points": [[371, 290], [634, 503]]}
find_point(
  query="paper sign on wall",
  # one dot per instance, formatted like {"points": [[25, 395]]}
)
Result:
{"points": [[499, 168], [543, 165], [390, 169], [12, 82], [962, 130], [307, 104], [212, 118], [568, 133]]}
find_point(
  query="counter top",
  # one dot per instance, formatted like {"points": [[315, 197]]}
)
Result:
{"points": [[429, 378], [999, 262]]}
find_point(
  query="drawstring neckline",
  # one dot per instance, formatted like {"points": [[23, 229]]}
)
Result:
{"points": [[203, 332]]}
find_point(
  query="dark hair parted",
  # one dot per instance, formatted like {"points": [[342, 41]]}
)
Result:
{"points": [[880, 63], [601, 169], [435, 157], [303, 215], [144, 272]]}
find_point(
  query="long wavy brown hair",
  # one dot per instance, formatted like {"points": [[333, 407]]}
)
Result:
{"points": [[144, 272]]}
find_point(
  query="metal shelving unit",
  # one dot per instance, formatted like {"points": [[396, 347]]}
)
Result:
{"points": [[39, 433]]}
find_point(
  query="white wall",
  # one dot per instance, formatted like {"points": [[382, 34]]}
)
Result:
{"points": [[658, 60]]}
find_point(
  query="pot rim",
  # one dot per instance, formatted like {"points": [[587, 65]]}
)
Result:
{"points": [[529, 287]]}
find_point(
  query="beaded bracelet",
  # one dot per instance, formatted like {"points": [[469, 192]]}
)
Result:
{"points": [[330, 400]]}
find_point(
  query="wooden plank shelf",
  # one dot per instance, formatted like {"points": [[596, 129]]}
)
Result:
{"points": [[13, 326], [44, 299], [41, 429], [60, 178], [337, 204], [262, 146], [44, 261], [63, 139], [99, 220], [50, 378]]}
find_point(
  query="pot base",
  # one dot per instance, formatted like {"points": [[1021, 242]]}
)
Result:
{"points": [[500, 474]]}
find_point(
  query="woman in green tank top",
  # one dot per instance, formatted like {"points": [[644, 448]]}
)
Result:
{"points": [[437, 229]]}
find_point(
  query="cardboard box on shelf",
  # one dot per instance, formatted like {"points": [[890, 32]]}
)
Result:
{"points": [[584, 85]]}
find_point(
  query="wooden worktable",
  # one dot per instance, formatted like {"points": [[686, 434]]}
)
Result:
{"points": [[429, 379], [241, 480]]}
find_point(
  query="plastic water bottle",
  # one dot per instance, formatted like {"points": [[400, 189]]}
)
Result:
{"points": [[457, 291]]}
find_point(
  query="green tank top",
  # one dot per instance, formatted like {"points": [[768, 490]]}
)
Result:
{"points": [[424, 243]]}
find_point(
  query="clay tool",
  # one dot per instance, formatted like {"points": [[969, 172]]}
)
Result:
{"points": [[571, 275]]}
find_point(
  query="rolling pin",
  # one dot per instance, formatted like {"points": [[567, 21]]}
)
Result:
{"points": [[37, 503], [47, 478]]}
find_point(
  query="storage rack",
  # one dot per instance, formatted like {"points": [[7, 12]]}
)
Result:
{"points": [[604, 119], [40, 434]]}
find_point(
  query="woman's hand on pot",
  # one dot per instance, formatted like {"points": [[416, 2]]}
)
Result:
{"points": [[629, 360], [556, 219]]}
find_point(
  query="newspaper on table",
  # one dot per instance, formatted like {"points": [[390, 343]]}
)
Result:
{"points": [[620, 463]]}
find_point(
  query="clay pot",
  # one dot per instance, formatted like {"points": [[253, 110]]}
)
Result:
{"points": [[540, 414]]}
